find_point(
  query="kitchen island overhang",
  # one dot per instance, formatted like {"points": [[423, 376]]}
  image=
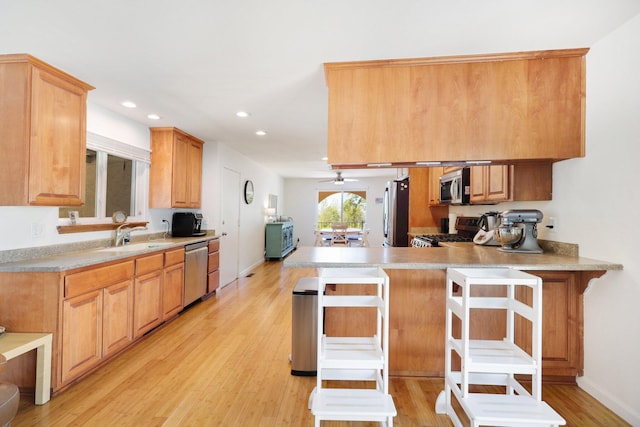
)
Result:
{"points": [[400, 258], [417, 300]]}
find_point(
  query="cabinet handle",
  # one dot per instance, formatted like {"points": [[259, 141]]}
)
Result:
{"points": [[224, 234]]}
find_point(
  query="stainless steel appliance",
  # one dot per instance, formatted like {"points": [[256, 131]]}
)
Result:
{"points": [[489, 222], [187, 224], [395, 213], [466, 227], [518, 231], [195, 271], [455, 187]]}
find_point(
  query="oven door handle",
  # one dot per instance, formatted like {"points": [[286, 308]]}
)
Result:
{"points": [[454, 189]]}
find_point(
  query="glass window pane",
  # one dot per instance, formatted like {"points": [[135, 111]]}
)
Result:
{"points": [[119, 179], [338, 206]]}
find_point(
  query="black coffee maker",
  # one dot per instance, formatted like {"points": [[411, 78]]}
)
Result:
{"points": [[187, 224]]}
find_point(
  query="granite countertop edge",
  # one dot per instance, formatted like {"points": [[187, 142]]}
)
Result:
{"points": [[92, 256], [441, 258]]}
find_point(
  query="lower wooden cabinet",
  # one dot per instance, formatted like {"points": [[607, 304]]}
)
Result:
{"points": [[173, 283], [81, 334], [213, 266], [147, 309], [417, 323], [100, 317], [561, 324], [117, 317], [173, 290]]}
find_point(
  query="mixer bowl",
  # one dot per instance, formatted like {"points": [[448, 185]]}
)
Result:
{"points": [[509, 234]]}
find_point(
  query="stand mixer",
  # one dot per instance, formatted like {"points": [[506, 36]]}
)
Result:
{"points": [[518, 231]]}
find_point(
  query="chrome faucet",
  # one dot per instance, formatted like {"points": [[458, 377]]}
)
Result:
{"points": [[122, 231]]}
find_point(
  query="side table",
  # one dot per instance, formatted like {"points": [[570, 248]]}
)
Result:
{"points": [[13, 344]]}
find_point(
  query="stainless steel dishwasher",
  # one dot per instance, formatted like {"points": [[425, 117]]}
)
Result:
{"points": [[195, 271]]}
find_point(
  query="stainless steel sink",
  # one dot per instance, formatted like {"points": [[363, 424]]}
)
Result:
{"points": [[137, 247]]}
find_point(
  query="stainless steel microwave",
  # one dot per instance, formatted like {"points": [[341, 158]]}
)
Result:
{"points": [[455, 187]]}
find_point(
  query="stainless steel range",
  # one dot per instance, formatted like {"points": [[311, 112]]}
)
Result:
{"points": [[467, 227]]}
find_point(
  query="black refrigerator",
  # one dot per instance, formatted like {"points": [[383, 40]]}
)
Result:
{"points": [[395, 213]]}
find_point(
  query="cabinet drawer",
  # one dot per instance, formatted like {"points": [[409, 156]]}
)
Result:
{"points": [[96, 278], [214, 245], [149, 263], [213, 281], [214, 261], [172, 257]]}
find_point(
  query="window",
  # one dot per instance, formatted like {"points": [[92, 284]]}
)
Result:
{"points": [[116, 178], [342, 206]]}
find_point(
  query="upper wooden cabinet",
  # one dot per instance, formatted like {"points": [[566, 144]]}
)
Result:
{"points": [[503, 107], [176, 169], [43, 134], [527, 181]]}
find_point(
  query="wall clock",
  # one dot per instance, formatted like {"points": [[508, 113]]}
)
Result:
{"points": [[248, 192]]}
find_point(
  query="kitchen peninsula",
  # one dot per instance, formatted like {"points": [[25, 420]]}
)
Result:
{"points": [[417, 300]]}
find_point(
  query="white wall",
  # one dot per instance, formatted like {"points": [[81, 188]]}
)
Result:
{"points": [[216, 157], [302, 202], [599, 202], [596, 203]]}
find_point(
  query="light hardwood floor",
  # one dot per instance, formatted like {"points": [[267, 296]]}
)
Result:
{"points": [[224, 362]]}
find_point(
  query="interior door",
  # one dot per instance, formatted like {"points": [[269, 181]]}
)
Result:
{"points": [[230, 233]]}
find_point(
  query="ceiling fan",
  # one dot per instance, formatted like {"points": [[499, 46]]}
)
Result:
{"points": [[339, 180]]}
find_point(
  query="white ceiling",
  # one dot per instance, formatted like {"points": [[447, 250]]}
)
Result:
{"points": [[197, 62]]}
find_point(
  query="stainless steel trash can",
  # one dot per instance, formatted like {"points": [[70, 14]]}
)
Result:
{"points": [[304, 327]]}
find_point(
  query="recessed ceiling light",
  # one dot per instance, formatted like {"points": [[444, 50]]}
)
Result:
{"points": [[261, 133], [153, 117], [129, 104], [325, 158], [242, 114]]}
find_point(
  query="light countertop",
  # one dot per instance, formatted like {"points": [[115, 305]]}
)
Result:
{"points": [[82, 258], [459, 256]]}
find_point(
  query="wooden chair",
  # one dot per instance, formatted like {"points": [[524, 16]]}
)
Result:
{"points": [[361, 240], [339, 230], [322, 240]]}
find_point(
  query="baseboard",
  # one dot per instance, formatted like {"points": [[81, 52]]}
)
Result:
{"points": [[630, 415], [247, 270]]}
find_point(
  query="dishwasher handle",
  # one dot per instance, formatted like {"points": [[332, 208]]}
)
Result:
{"points": [[194, 246]]}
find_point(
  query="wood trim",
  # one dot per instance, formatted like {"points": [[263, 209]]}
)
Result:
{"points": [[85, 228], [586, 276], [457, 59]]}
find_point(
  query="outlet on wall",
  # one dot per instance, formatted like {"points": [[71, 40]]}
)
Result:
{"points": [[37, 230], [552, 224]]}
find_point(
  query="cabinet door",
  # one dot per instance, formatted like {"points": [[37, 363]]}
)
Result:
{"points": [[497, 183], [194, 178], [434, 185], [490, 184], [117, 331], [81, 334], [58, 141], [501, 107], [477, 184], [173, 290], [561, 347], [147, 310], [180, 190]]}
